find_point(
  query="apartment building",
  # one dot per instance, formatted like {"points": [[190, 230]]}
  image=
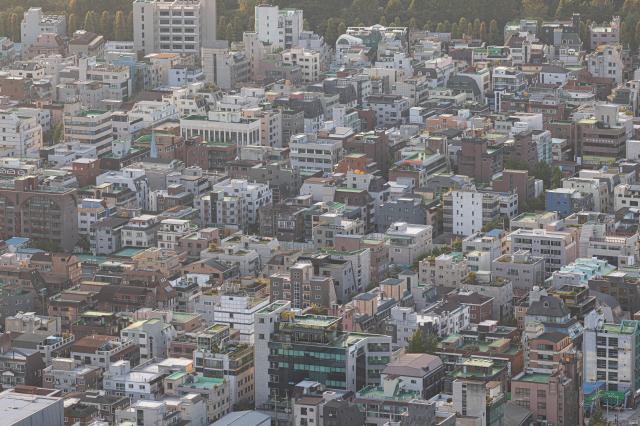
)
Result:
{"points": [[30, 209], [178, 26], [302, 287], [171, 231], [291, 348], [311, 152], [610, 354], [606, 61], [153, 336], [35, 23], [521, 268], [280, 28], [448, 270], [255, 195], [140, 231], [407, 242], [307, 60], [91, 127], [21, 134], [558, 248]]}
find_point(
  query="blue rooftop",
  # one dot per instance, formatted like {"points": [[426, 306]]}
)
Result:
{"points": [[16, 241]]}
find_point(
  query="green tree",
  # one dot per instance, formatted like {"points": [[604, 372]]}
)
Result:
{"points": [[90, 23], [14, 27], [440, 27], [119, 27], [58, 133], [420, 344], [72, 23], [494, 32], [106, 25], [535, 9], [394, 8], [483, 31], [563, 9]]}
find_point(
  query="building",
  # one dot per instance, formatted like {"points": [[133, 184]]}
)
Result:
{"points": [[610, 355], [279, 28], [423, 373], [521, 268], [35, 23], [310, 152], [606, 61], [604, 34], [153, 337], [30, 209], [467, 211], [91, 127], [29, 408], [558, 248], [446, 270], [408, 242], [403, 209], [171, 231], [303, 288], [308, 61], [223, 127], [179, 26], [478, 390], [478, 160], [310, 347], [237, 310], [140, 231], [390, 110], [21, 134], [225, 68]]}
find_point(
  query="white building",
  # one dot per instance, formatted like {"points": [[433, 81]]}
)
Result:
{"points": [[179, 26], [35, 23], [307, 60], [21, 134], [237, 311], [170, 232], [611, 353], [153, 336], [407, 242], [256, 195], [223, 126], [140, 231], [277, 27], [90, 127], [129, 178], [223, 67], [310, 152], [607, 62]]}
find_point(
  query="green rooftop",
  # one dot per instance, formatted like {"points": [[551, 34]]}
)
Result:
{"points": [[534, 378], [625, 327], [128, 252]]}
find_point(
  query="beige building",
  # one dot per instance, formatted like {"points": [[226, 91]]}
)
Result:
{"points": [[446, 270]]}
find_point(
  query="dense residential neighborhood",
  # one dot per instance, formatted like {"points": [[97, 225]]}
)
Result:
{"points": [[404, 221]]}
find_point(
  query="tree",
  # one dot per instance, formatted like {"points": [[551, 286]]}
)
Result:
{"points": [[483, 31], [72, 23], [119, 30], [72, 6], [535, 8], [394, 8], [90, 23], [106, 25], [14, 27], [563, 9], [494, 33], [420, 344], [58, 133]]}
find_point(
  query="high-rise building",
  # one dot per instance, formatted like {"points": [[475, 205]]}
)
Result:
{"points": [[290, 348], [280, 28], [611, 355], [42, 213], [178, 26]]}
